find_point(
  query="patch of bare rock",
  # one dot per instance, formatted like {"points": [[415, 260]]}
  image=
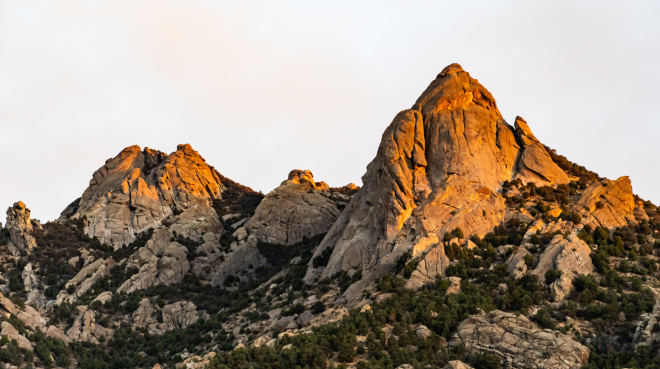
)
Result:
{"points": [[518, 342]]}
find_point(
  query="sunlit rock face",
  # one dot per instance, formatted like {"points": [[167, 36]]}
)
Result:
{"points": [[439, 166], [20, 226], [138, 189]]}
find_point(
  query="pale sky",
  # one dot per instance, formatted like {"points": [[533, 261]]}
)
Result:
{"points": [[263, 87]]}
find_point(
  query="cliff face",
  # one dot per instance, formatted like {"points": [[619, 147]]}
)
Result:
{"points": [[438, 167], [138, 189]]}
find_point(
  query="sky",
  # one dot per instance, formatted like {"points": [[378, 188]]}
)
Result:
{"points": [[259, 88]]}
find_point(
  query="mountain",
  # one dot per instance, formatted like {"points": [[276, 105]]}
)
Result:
{"points": [[469, 244], [439, 167], [138, 189]]}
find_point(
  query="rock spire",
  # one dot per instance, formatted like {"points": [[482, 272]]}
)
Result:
{"points": [[439, 166], [138, 189]]}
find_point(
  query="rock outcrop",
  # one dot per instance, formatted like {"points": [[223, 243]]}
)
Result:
{"points": [[85, 327], [609, 203], [298, 208], [7, 330], [84, 280], [244, 259], [515, 263], [571, 257], [139, 189], [30, 281], [535, 164], [519, 342], [438, 167], [19, 226], [430, 266], [179, 315], [160, 261], [31, 318]]}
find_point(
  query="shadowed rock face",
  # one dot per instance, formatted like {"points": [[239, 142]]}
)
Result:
{"points": [[138, 189], [438, 167]]}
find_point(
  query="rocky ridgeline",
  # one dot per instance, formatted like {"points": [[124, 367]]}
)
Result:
{"points": [[140, 189], [455, 200]]}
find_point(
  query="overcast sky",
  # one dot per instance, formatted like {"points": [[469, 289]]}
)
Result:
{"points": [[263, 87]]}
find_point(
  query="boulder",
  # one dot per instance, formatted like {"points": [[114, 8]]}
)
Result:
{"points": [[85, 278], [294, 210], [143, 316], [571, 256], [29, 315], [283, 323], [422, 332], [30, 280], [160, 261], [12, 334], [516, 262], [304, 318], [457, 364], [383, 297], [36, 298], [518, 342], [179, 315], [103, 297], [610, 202], [139, 189], [55, 332], [333, 315], [19, 226], [85, 328], [455, 286], [439, 167]]}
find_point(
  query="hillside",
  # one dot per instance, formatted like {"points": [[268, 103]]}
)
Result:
{"points": [[469, 244]]}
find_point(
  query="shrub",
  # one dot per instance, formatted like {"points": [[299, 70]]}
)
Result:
{"points": [[552, 275], [486, 361]]}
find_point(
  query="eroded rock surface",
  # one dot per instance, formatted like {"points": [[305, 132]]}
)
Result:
{"points": [[19, 226], [571, 257], [160, 261], [298, 208], [438, 167], [138, 189], [519, 342], [85, 327], [84, 280], [610, 203]]}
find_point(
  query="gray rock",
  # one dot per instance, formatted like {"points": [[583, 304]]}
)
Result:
{"points": [[19, 227], [304, 318], [295, 209], [282, 323], [85, 327], [517, 341], [422, 332], [142, 189]]}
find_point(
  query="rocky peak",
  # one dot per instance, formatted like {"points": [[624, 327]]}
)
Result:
{"points": [[138, 189], [439, 167], [298, 176], [291, 211], [19, 225]]}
